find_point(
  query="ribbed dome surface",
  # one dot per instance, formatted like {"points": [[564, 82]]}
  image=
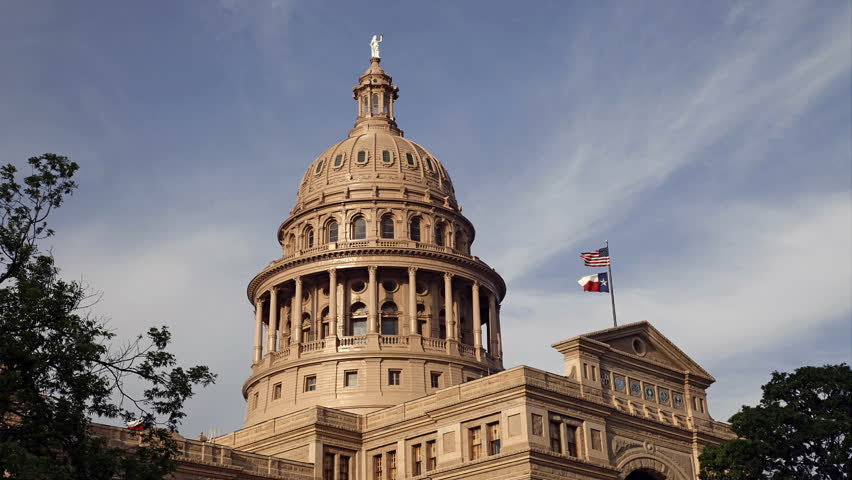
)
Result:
{"points": [[376, 157]]}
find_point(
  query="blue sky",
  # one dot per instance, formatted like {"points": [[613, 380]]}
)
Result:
{"points": [[708, 141]]}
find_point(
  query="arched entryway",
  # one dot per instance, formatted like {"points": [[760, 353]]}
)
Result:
{"points": [[645, 474]]}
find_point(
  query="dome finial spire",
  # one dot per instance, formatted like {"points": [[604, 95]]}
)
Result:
{"points": [[374, 45]]}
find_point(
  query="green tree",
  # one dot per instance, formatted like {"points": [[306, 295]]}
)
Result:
{"points": [[58, 370], [802, 429]]}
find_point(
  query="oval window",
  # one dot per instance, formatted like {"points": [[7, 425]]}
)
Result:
{"points": [[390, 286], [359, 286]]}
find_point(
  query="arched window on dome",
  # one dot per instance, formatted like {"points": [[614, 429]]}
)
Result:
{"points": [[332, 231], [307, 331], [390, 319], [324, 331], [358, 319], [387, 226], [309, 237], [414, 229], [440, 233], [359, 228], [375, 103]]}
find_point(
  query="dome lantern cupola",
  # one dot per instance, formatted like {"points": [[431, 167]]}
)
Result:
{"points": [[375, 94]]}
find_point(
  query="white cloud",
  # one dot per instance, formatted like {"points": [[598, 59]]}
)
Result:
{"points": [[593, 167]]}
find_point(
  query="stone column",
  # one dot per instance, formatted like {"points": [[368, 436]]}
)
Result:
{"points": [[448, 306], [296, 314], [372, 291], [258, 330], [477, 322], [412, 300], [272, 331], [492, 324], [332, 302], [499, 336]]}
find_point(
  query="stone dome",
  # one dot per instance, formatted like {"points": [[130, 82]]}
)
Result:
{"points": [[376, 154], [377, 158]]}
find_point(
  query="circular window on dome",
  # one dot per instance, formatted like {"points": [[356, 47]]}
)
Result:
{"points": [[390, 286], [359, 286], [639, 347], [362, 158], [387, 158], [421, 288], [338, 160], [409, 159], [319, 167]]}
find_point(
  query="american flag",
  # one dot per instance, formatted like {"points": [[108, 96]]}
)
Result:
{"points": [[598, 258]]}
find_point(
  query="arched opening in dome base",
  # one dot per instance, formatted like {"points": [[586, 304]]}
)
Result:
{"points": [[645, 474]]}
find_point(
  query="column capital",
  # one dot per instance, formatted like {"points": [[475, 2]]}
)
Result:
{"points": [[412, 270], [332, 271], [476, 285], [298, 280], [448, 276], [273, 291], [372, 269], [258, 302]]}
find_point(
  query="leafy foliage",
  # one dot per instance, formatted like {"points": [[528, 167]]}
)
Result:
{"points": [[57, 368], [802, 429]]}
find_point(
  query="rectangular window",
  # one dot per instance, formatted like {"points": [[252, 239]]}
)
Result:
{"points": [[377, 468], [571, 440], [475, 435], [410, 159], [391, 458], [350, 378], [254, 400], [493, 438], [394, 377], [556, 436], [375, 104], [431, 456], [328, 466], [596, 439], [536, 425], [436, 379], [310, 383], [386, 157], [416, 459], [343, 467], [276, 391], [359, 327], [362, 156]]}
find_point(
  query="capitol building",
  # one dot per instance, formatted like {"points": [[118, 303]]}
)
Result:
{"points": [[378, 353]]}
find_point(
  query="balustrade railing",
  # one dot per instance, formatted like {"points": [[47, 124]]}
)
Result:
{"points": [[351, 341], [467, 350], [394, 340], [434, 344], [316, 345]]}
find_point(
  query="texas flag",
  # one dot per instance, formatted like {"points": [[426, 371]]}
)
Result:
{"points": [[595, 283]]}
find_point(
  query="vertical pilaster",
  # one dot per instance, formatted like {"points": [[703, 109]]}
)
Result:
{"points": [[499, 333], [332, 302], [272, 331], [477, 322], [412, 300], [448, 306], [258, 330], [372, 291], [296, 314]]}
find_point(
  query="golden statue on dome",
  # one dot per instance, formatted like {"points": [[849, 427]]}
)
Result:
{"points": [[374, 45]]}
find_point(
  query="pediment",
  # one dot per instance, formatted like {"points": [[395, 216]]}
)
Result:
{"points": [[642, 340]]}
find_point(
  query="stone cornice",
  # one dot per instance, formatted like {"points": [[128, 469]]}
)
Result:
{"points": [[360, 252]]}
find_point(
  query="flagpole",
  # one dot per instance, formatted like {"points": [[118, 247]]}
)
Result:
{"points": [[611, 289]]}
